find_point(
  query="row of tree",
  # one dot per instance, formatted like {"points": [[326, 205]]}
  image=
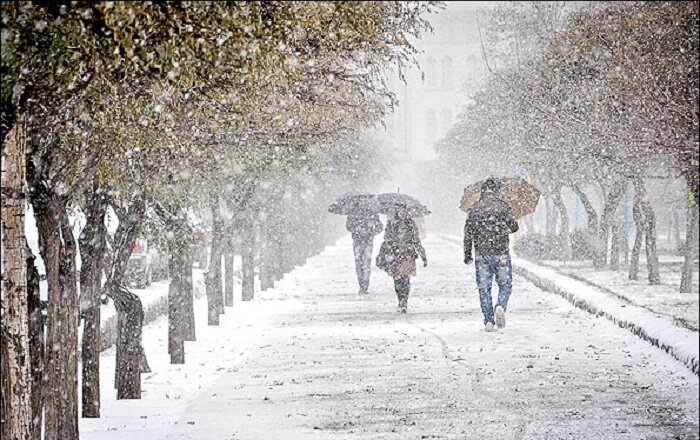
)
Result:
{"points": [[591, 95], [248, 113]]}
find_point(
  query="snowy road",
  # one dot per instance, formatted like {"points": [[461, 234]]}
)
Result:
{"points": [[314, 360]]}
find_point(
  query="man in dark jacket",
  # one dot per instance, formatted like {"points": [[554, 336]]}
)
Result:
{"points": [[363, 224], [489, 223]]}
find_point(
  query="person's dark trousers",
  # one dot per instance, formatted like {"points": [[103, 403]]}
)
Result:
{"points": [[402, 286], [363, 261]]}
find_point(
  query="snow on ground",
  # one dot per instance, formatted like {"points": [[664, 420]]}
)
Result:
{"points": [[313, 359], [681, 309]]}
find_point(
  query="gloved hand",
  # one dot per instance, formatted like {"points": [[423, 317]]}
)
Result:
{"points": [[425, 262], [468, 259]]}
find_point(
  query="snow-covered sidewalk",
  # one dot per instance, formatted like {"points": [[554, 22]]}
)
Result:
{"points": [[313, 359], [681, 343], [656, 328]]}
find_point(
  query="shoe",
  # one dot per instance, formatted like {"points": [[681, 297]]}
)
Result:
{"points": [[403, 309], [489, 327], [500, 316], [403, 306], [362, 292]]}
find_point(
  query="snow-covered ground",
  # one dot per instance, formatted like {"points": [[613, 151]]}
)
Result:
{"points": [[681, 309], [312, 359]]}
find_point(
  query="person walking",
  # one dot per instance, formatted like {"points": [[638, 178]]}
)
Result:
{"points": [[363, 225], [398, 253], [489, 223]]}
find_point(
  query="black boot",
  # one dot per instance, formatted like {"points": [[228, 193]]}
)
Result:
{"points": [[403, 305]]}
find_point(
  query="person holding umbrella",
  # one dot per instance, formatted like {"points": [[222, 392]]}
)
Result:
{"points": [[489, 223], [363, 224], [398, 253]]}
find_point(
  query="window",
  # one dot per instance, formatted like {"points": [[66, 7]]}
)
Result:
{"points": [[445, 120], [430, 126], [431, 72], [447, 73]]}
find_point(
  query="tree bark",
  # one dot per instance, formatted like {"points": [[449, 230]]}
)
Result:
{"points": [[176, 336], [58, 248], [612, 200], [248, 261], [228, 275], [550, 217], [691, 239], [92, 242], [676, 229], [564, 217], [129, 350], [591, 214], [215, 301], [649, 234], [615, 247], [266, 248], [15, 365], [188, 332], [36, 343], [638, 237], [128, 306]]}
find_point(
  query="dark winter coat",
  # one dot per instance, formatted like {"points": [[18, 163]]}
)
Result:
{"points": [[489, 222], [400, 248], [363, 226]]}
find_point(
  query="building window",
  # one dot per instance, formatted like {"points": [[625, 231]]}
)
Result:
{"points": [[431, 72], [430, 126], [447, 73], [445, 120]]}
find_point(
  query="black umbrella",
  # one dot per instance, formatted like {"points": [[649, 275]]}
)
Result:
{"points": [[353, 203], [389, 201]]}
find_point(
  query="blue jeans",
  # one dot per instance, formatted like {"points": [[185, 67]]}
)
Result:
{"points": [[363, 261], [488, 266]]}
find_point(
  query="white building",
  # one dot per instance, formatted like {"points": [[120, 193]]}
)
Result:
{"points": [[451, 67]]}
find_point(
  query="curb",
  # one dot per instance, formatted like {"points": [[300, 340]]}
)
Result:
{"points": [[669, 340], [680, 343]]}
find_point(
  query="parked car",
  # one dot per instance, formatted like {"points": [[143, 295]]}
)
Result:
{"points": [[139, 274]]}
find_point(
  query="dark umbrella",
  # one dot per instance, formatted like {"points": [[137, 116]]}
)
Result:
{"points": [[521, 195], [389, 201], [352, 203]]}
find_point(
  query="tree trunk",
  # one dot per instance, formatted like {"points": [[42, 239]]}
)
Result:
{"points": [[564, 217], [550, 218], [188, 332], [248, 261], [58, 248], [128, 306], [591, 214], [691, 239], [176, 331], [129, 350], [228, 275], [36, 343], [612, 200], [649, 234], [638, 237], [265, 265], [615, 247], [15, 365], [676, 229], [215, 302], [92, 242]]}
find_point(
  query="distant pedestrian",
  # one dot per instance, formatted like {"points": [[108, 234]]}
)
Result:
{"points": [[363, 224], [397, 256], [489, 223]]}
